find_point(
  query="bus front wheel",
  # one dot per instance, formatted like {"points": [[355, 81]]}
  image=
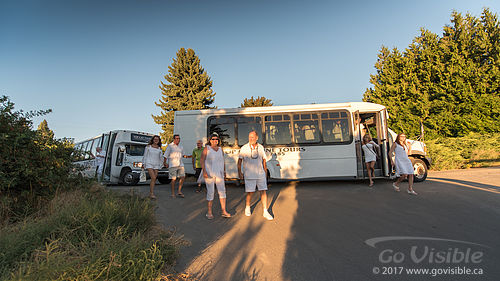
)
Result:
{"points": [[129, 178], [164, 180], [420, 169]]}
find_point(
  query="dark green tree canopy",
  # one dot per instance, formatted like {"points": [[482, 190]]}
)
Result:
{"points": [[255, 102], [450, 83], [189, 88]]}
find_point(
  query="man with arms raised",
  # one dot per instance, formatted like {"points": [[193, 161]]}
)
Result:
{"points": [[253, 157]]}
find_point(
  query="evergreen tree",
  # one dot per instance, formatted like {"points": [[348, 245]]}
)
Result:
{"points": [[189, 87], [45, 134], [450, 83], [255, 102]]}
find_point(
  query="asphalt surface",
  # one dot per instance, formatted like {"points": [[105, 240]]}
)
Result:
{"points": [[340, 230]]}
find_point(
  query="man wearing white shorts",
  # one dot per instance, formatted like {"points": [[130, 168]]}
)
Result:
{"points": [[253, 157], [174, 154]]}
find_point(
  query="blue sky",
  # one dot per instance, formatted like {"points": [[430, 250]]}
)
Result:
{"points": [[98, 64]]}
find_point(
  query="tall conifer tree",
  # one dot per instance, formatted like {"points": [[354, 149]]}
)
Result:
{"points": [[189, 87], [450, 83]]}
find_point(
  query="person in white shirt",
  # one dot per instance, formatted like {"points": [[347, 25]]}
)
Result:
{"points": [[152, 161], [370, 149], [100, 155], [253, 158], [174, 154], [214, 172]]}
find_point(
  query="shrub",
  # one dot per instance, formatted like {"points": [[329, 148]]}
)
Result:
{"points": [[32, 165], [472, 150], [88, 236]]}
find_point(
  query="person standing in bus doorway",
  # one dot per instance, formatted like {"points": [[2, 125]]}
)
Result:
{"points": [[100, 155], [196, 159], [174, 154], [152, 161], [253, 158], [369, 149], [401, 147], [214, 173]]}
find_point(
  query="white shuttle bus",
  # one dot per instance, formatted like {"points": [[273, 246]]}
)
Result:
{"points": [[123, 149], [313, 141]]}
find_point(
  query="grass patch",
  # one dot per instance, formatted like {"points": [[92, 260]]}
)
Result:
{"points": [[88, 235], [471, 151]]}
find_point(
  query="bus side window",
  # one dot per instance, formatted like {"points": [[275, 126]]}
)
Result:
{"points": [[306, 128], [278, 129], [245, 126], [224, 127], [335, 127]]}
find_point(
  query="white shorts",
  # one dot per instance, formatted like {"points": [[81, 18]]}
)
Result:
{"points": [[210, 184], [251, 184], [152, 166], [176, 172]]}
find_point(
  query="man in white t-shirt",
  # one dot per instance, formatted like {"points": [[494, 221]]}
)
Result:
{"points": [[99, 158], [174, 154], [253, 158]]}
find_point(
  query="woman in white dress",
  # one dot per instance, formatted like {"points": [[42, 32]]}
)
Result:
{"points": [[370, 149], [401, 147], [214, 172], [152, 161]]}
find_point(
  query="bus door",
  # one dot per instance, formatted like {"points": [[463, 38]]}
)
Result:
{"points": [[106, 144], [382, 133], [357, 141]]}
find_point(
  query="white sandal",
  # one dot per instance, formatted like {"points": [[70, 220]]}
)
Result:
{"points": [[412, 192], [396, 188]]}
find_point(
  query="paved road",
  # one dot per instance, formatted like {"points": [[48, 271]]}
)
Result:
{"points": [[328, 230]]}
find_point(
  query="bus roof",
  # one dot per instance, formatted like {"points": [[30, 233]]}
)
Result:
{"points": [[351, 106]]}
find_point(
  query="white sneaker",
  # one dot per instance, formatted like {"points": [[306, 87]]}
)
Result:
{"points": [[267, 216], [248, 212]]}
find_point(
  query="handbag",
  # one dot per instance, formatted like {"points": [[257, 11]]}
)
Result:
{"points": [[142, 177]]}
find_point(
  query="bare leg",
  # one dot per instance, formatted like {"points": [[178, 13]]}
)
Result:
{"points": [[181, 181], [152, 175], [410, 182], [223, 207], [249, 198], [263, 198], [368, 168], [173, 187], [400, 179], [209, 206]]}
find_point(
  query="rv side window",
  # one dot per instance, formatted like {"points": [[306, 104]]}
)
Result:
{"points": [[224, 127], [278, 129], [245, 126]]}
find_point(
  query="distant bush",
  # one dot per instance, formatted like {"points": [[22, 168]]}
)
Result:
{"points": [[471, 151], [85, 235], [33, 165]]}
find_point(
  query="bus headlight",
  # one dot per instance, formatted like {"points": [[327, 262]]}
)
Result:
{"points": [[137, 164]]}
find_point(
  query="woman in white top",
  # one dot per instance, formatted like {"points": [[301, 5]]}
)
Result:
{"points": [[370, 149], [404, 168], [153, 161], [214, 172]]}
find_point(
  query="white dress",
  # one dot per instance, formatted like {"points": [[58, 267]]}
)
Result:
{"points": [[403, 163], [369, 150], [214, 166], [153, 158]]}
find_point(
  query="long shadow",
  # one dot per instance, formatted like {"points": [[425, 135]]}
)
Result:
{"points": [[334, 220], [476, 184]]}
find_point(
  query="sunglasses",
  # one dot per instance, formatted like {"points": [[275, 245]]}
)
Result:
{"points": [[214, 139]]}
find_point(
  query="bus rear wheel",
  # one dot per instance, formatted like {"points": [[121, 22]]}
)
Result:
{"points": [[420, 170]]}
